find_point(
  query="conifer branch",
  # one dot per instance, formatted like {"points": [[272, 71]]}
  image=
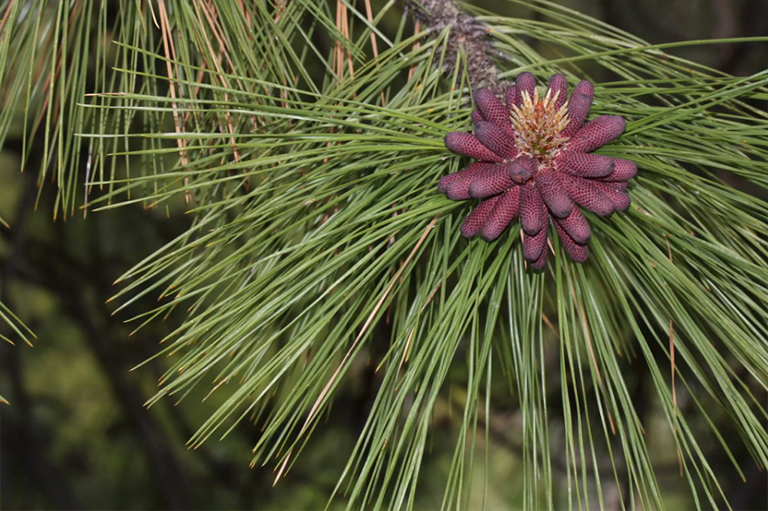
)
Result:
{"points": [[467, 33]]}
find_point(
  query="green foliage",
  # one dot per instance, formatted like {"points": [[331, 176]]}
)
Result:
{"points": [[317, 233]]}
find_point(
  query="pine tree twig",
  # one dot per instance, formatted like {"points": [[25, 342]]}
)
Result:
{"points": [[467, 33]]}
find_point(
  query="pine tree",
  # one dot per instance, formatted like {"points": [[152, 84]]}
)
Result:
{"points": [[305, 143]]}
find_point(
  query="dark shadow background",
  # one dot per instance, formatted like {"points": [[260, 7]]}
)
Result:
{"points": [[77, 435]]}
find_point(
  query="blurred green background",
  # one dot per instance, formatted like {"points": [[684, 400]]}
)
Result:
{"points": [[77, 434]]}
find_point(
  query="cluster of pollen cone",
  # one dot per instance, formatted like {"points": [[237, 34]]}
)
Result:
{"points": [[534, 161]]}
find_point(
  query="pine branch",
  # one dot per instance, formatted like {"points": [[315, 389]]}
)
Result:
{"points": [[468, 43], [310, 178]]}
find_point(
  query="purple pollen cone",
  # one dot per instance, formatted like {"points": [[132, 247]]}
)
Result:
{"points": [[534, 161]]}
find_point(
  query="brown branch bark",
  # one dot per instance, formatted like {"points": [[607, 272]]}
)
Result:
{"points": [[467, 34]]}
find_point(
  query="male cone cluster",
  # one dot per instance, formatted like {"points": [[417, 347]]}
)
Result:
{"points": [[534, 161]]}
